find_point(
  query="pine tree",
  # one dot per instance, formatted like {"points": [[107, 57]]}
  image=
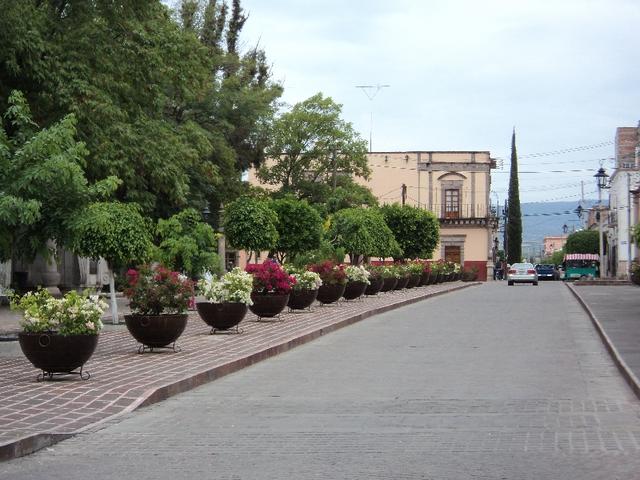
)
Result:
{"points": [[514, 216]]}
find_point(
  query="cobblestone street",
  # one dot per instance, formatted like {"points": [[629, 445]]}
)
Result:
{"points": [[453, 387]]}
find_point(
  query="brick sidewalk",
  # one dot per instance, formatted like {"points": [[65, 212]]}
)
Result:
{"points": [[34, 415]]}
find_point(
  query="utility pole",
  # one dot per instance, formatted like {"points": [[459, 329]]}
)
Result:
{"points": [[371, 91]]}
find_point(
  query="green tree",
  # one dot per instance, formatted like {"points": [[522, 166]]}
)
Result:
{"points": [[636, 234], [250, 224], [299, 228], [556, 258], [346, 194], [186, 244], [416, 230], [238, 108], [312, 143], [114, 231], [362, 232], [128, 73], [514, 215], [583, 241], [42, 186]]}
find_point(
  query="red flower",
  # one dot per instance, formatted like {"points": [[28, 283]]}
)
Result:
{"points": [[269, 277]]}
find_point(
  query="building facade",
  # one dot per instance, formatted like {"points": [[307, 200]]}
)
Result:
{"points": [[621, 215], [455, 186], [553, 244]]}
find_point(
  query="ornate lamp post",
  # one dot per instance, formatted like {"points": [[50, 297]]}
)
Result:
{"points": [[601, 179]]}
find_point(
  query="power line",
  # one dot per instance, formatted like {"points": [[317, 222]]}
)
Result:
{"points": [[551, 171], [564, 150]]}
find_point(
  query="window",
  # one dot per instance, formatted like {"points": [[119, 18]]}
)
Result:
{"points": [[452, 203]]}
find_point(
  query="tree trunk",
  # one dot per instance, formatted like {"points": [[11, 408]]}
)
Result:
{"points": [[114, 303]]}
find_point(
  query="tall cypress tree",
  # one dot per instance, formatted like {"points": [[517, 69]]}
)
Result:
{"points": [[514, 216]]}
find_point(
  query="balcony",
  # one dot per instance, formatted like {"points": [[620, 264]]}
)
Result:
{"points": [[464, 215]]}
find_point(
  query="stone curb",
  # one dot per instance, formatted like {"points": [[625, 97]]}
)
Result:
{"points": [[624, 369], [31, 443]]}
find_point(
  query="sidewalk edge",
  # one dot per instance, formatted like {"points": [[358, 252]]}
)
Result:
{"points": [[624, 369], [32, 443]]}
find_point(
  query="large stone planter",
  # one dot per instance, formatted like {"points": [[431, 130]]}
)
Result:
{"points": [[301, 299], [58, 354], [330, 293], [156, 331], [354, 290], [389, 284], [374, 286], [268, 305], [414, 280], [402, 283], [221, 316]]}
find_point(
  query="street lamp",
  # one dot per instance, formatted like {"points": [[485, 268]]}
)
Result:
{"points": [[565, 229], [205, 211], [601, 179]]}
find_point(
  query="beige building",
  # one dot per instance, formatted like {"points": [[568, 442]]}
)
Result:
{"points": [[455, 186], [553, 244]]}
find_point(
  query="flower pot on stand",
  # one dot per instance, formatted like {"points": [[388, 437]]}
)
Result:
{"points": [[354, 289], [222, 316], [374, 287], [57, 354], [402, 283], [389, 284], [301, 299], [414, 280], [156, 331], [330, 293], [268, 305]]}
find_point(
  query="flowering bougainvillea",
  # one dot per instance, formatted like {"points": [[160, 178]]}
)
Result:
{"points": [[269, 277], [153, 291], [330, 273]]}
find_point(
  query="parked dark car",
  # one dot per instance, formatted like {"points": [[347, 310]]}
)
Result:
{"points": [[547, 272]]}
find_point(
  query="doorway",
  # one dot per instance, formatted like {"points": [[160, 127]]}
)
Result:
{"points": [[452, 253]]}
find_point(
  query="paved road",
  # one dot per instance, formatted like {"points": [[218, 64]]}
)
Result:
{"points": [[455, 387]]}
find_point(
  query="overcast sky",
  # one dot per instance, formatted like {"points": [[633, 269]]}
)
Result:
{"points": [[463, 73]]}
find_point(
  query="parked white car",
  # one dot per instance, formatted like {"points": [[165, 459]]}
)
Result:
{"points": [[522, 273]]}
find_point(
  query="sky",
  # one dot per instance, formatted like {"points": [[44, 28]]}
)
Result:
{"points": [[463, 74]]}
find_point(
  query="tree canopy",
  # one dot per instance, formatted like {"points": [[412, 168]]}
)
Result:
{"points": [[299, 228], [186, 244], [416, 230], [583, 241], [169, 105], [114, 231], [250, 224], [362, 232], [312, 143], [42, 186]]}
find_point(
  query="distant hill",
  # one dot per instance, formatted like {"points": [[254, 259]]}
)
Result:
{"points": [[540, 220], [543, 219]]}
